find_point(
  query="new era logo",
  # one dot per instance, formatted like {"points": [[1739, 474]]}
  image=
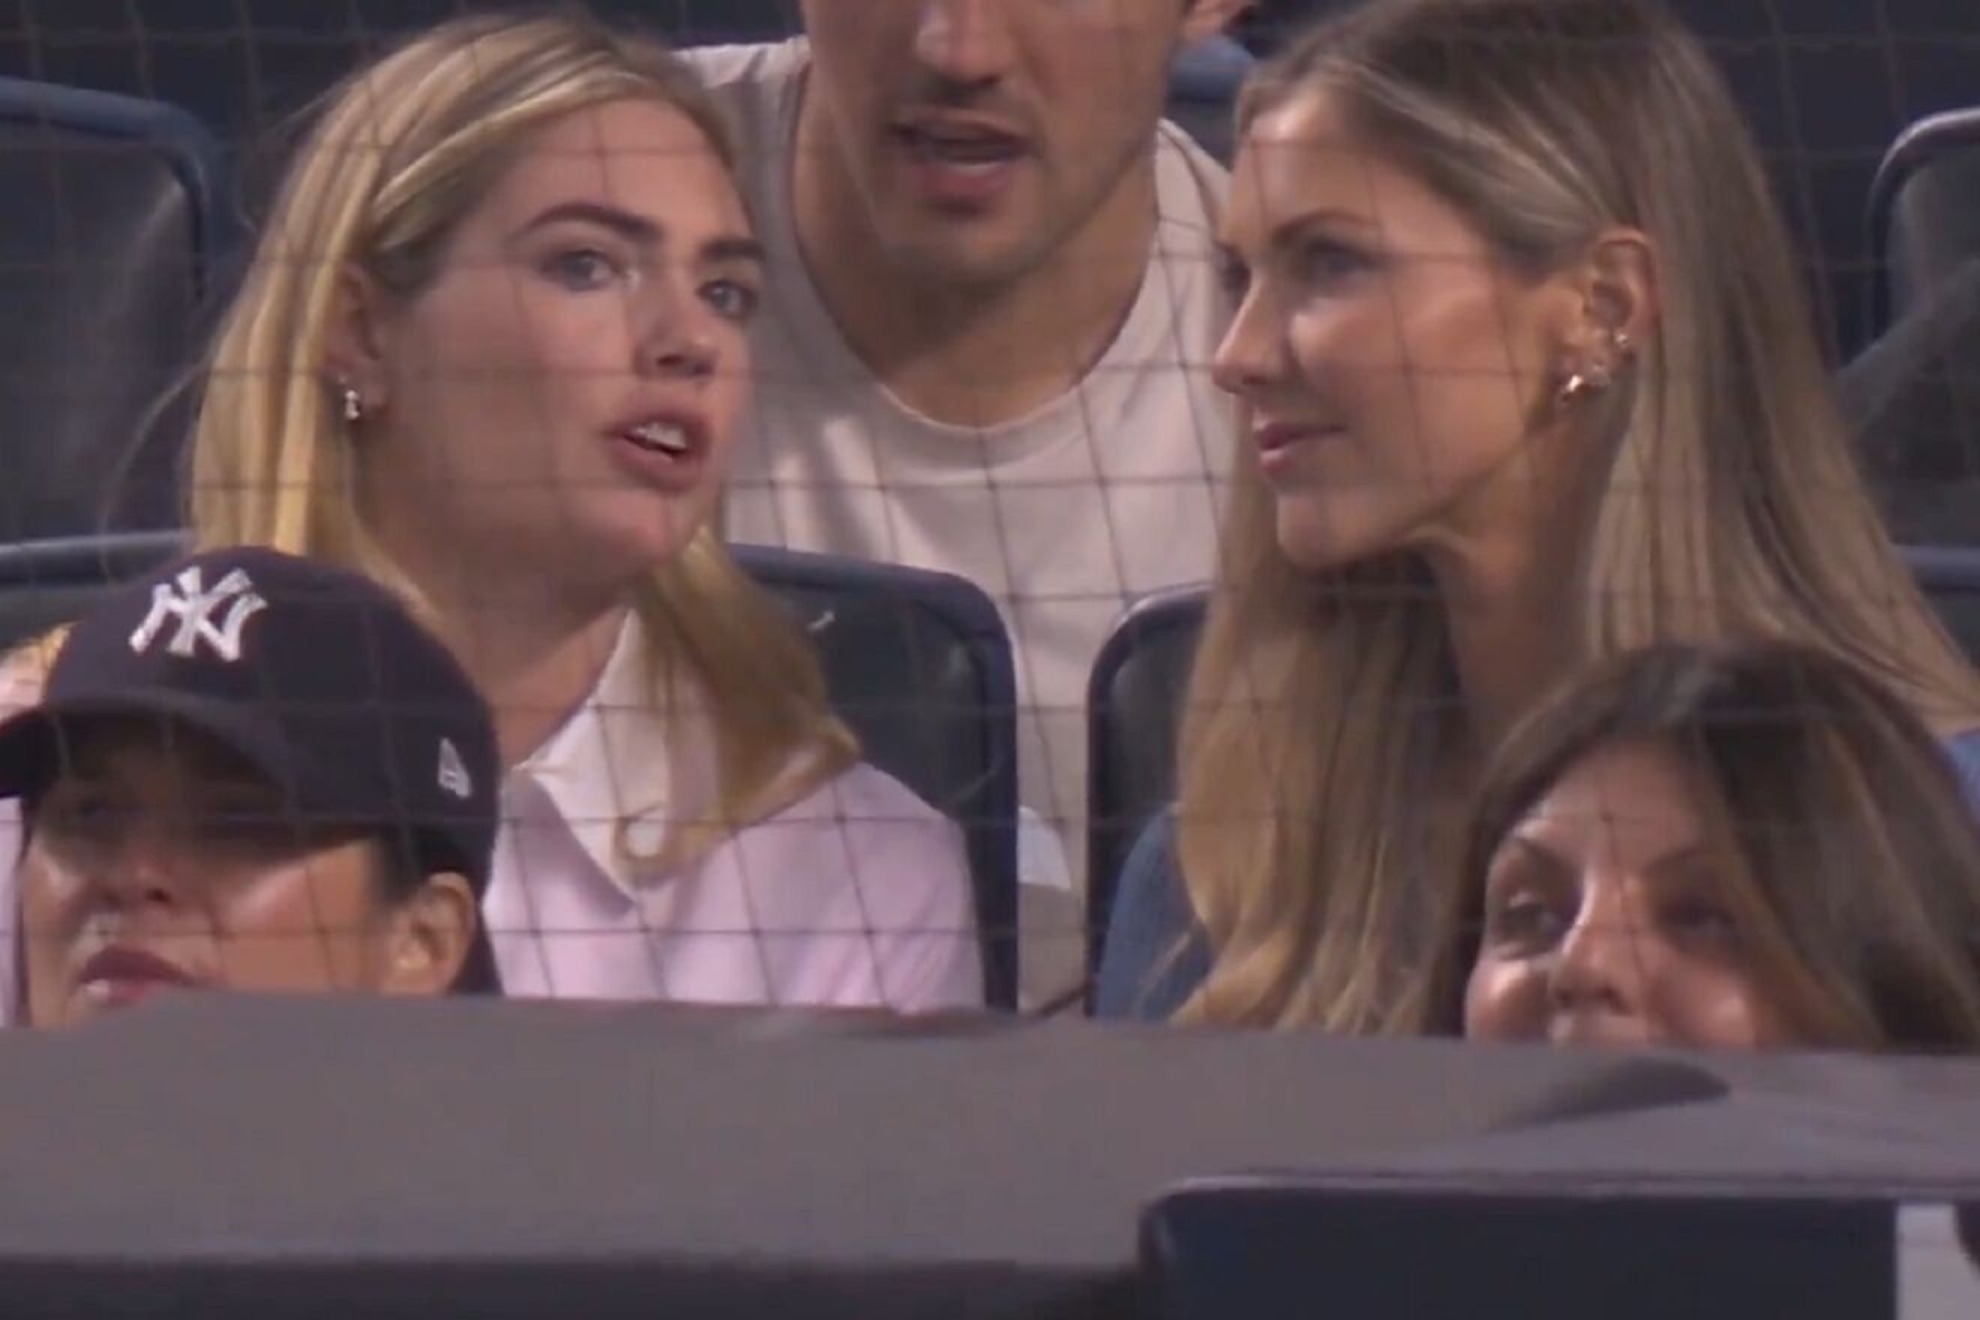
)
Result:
{"points": [[453, 776], [214, 619]]}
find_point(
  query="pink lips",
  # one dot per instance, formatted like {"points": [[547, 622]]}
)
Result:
{"points": [[1279, 443], [124, 974], [960, 161], [667, 448]]}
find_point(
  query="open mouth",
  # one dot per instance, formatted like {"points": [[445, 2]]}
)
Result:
{"points": [[124, 974], [660, 438], [963, 147]]}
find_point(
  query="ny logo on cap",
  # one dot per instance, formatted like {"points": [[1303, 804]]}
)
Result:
{"points": [[213, 618], [453, 771]]}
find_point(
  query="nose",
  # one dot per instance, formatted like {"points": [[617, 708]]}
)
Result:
{"points": [[965, 42], [1252, 354], [1602, 964], [142, 867], [676, 334]]}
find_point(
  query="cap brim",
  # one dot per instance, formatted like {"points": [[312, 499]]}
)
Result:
{"points": [[31, 743], [32, 756]]}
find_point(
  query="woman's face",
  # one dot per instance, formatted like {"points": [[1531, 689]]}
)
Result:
{"points": [[1605, 920], [1392, 366], [158, 864], [560, 400]]}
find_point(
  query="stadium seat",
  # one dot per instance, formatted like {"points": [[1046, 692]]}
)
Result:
{"points": [[1135, 698], [1925, 209], [1950, 579], [1134, 708], [1203, 88], [1913, 399], [45, 584], [247, 68], [918, 665], [110, 232]]}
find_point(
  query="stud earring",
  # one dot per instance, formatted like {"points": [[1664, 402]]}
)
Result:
{"points": [[353, 405]]}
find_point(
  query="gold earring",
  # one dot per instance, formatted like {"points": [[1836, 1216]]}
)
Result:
{"points": [[1592, 381]]}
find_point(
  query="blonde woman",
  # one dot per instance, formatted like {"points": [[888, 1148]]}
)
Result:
{"points": [[1531, 379], [492, 350]]}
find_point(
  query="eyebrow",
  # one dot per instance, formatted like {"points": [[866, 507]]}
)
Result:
{"points": [[640, 230], [1289, 231], [1670, 861], [1293, 228]]}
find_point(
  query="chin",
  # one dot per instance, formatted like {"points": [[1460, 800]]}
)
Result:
{"points": [[965, 252], [631, 543], [1323, 535]]}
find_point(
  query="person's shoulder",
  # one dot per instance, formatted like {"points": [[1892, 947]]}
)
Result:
{"points": [[1191, 185], [1964, 750], [24, 671], [764, 67], [863, 796]]}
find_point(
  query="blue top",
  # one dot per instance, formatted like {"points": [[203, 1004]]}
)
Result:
{"points": [[1155, 955]]}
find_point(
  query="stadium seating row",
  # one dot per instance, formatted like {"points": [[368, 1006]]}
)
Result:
{"points": [[920, 666], [118, 230]]}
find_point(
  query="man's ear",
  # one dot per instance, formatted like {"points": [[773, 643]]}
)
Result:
{"points": [[428, 937], [353, 349], [1206, 18]]}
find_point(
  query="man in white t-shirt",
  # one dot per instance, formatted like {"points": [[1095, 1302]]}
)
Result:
{"points": [[992, 300]]}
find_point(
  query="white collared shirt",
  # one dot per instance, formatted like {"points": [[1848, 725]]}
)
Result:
{"points": [[856, 896]]}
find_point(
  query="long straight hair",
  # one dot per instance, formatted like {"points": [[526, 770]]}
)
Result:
{"points": [[1319, 704], [1847, 846], [403, 151]]}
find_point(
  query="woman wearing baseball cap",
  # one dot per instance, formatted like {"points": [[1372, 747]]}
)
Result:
{"points": [[250, 772]]}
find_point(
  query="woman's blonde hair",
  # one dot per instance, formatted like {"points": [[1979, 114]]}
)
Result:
{"points": [[404, 149], [1321, 707], [1846, 847]]}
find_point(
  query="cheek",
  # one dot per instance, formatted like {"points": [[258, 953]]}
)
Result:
{"points": [[51, 895], [1434, 369], [1505, 1000], [300, 927], [1716, 1008]]}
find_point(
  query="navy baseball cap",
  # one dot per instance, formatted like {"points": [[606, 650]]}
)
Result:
{"points": [[317, 677]]}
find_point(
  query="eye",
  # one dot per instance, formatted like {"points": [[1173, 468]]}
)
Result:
{"points": [[731, 298], [1526, 921], [582, 270], [79, 808], [1699, 920], [1233, 276], [1322, 262]]}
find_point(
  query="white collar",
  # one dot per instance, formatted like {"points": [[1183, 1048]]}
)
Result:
{"points": [[610, 763]]}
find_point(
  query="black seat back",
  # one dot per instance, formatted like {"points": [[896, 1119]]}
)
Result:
{"points": [[109, 231], [1925, 208], [246, 68], [920, 666], [1134, 709]]}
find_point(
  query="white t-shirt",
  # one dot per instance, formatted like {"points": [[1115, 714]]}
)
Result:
{"points": [[1063, 517], [856, 896]]}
